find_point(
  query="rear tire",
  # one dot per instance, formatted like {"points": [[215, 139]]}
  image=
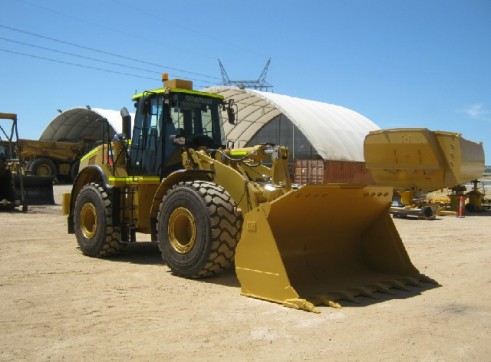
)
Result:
{"points": [[42, 167], [93, 225], [198, 229], [74, 169]]}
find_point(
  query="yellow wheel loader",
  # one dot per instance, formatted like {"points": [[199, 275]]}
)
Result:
{"points": [[209, 207]]}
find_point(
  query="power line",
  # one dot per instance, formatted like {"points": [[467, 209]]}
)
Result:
{"points": [[104, 26], [102, 51], [74, 64], [85, 66], [141, 10], [90, 58], [76, 55]]}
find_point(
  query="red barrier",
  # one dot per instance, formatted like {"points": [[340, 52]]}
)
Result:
{"points": [[461, 206]]}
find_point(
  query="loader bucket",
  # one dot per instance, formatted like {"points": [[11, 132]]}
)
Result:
{"points": [[321, 244], [38, 190]]}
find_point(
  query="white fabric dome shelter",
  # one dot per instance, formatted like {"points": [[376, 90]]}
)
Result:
{"points": [[81, 122], [336, 133]]}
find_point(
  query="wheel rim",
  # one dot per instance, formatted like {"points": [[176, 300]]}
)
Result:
{"points": [[44, 170], [182, 230], [88, 220]]}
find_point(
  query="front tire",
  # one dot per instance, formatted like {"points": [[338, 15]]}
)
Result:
{"points": [[96, 235], [198, 229]]}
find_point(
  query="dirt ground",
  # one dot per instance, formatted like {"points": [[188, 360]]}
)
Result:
{"points": [[57, 304]]}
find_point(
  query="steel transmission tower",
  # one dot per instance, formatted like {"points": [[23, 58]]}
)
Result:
{"points": [[259, 84]]}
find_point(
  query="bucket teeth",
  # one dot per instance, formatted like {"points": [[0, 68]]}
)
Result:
{"points": [[383, 288], [303, 304], [413, 281], [399, 285], [332, 304], [328, 301], [331, 299], [348, 296], [427, 279], [365, 292]]}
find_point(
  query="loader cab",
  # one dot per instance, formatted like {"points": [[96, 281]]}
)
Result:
{"points": [[162, 116]]}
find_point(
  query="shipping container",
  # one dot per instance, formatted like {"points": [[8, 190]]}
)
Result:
{"points": [[307, 172]]}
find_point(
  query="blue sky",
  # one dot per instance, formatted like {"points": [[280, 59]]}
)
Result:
{"points": [[399, 63]]}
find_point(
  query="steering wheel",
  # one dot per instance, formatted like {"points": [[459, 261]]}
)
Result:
{"points": [[201, 141]]}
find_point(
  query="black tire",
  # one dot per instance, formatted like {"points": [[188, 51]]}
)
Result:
{"points": [[42, 167], [95, 232], [198, 229], [7, 190], [426, 212], [74, 169]]}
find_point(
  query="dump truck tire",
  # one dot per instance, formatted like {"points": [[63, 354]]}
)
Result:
{"points": [[96, 235], [42, 167], [198, 229], [74, 169]]}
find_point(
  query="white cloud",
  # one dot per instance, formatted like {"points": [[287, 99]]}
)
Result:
{"points": [[477, 111]]}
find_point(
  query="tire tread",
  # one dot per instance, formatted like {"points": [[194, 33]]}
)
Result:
{"points": [[225, 224]]}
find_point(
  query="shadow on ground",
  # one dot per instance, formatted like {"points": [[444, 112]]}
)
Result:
{"points": [[412, 291], [147, 253]]}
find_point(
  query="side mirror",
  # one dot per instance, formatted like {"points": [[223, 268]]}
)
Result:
{"points": [[178, 140], [126, 120], [231, 111]]}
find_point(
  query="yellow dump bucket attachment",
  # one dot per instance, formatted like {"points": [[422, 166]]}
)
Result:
{"points": [[322, 244], [420, 159]]}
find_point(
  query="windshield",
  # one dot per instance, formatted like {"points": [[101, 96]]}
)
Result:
{"points": [[196, 115], [160, 117]]}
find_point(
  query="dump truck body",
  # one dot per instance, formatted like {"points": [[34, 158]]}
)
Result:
{"points": [[54, 159], [209, 207]]}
